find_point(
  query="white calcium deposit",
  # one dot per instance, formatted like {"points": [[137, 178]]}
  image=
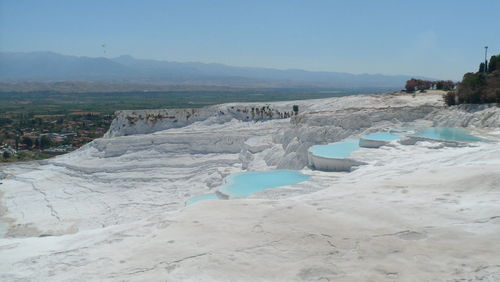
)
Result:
{"points": [[114, 210]]}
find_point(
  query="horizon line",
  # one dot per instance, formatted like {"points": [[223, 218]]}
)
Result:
{"points": [[222, 64]]}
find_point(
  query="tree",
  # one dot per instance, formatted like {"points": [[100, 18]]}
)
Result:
{"points": [[476, 88], [445, 85], [68, 140], [471, 88], [5, 155], [481, 67], [44, 142], [411, 85], [27, 141], [449, 98], [494, 63], [448, 85], [425, 85]]}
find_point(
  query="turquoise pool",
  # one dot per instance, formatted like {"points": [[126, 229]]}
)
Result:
{"points": [[338, 150], [246, 183], [451, 134], [201, 198], [4, 226], [382, 136]]}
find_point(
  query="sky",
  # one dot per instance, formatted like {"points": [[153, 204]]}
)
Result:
{"points": [[440, 39]]}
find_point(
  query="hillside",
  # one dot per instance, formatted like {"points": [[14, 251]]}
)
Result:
{"points": [[478, 87]]}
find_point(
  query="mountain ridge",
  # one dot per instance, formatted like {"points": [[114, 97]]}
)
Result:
{"points": [[48, 66]]}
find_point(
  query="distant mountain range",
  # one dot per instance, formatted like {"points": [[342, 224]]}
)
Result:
{"points": [[53, 67]]}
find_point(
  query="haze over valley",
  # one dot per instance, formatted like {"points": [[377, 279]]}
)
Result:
{"points": [[50, 67]]}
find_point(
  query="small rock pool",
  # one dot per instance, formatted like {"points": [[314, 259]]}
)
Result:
{"points": [[382, 136], [4, 226], [338, 150], [448, 134], [201, 198], [243, 184]]}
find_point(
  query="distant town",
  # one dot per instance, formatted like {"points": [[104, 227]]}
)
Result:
{"points": [[30, 137]]}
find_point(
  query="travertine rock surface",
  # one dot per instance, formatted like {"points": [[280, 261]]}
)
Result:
{"points": [[114, 210]]}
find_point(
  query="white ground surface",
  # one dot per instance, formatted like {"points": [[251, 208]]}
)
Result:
{"points": [[114, 210]]}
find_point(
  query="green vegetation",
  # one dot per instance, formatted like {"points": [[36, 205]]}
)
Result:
{"points": [[413, 85], [478, 88], [50, 102], [482, 67], [494, 63], [24, 155]]}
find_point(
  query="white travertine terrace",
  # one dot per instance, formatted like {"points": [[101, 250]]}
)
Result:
{"points": [[332, 164], [114, 209], [371, 143]]}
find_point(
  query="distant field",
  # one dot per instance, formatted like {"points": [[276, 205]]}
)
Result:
{"points": [[54, 103]]}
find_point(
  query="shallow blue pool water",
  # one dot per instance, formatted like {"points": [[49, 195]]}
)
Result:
{"points": [[243, 184], [342, 149], [3, 228], [201, 198], [382, 136], [444, 133]]}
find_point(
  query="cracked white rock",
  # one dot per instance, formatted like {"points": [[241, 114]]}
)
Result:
{"points": [[114, 209]]}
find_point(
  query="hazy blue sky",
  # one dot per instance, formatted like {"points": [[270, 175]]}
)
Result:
{"points": [[441, 39]]}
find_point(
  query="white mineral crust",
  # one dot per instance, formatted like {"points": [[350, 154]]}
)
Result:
{"points": [[114, 210]]}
